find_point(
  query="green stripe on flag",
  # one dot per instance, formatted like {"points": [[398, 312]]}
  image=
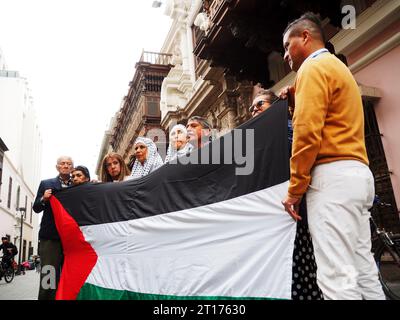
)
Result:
{"points": [[92, 292]]}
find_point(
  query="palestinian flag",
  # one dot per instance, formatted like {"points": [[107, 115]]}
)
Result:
{"points": [[186, 231]]}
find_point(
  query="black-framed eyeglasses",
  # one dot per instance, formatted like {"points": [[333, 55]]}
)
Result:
{"points": [[257, 105]]}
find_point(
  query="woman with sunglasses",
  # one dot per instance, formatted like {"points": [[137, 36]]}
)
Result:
{"points": [[262, 101]]}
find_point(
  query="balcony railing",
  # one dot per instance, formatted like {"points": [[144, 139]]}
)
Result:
{"points": [[153, 82], [156, 58], [214, 7]]}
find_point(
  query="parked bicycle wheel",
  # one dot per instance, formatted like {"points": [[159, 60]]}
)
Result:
{"points": [[9, 275], [388, 262]]}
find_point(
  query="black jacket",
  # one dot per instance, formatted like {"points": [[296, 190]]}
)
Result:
{"points": [[48, 229], [7, 246]]}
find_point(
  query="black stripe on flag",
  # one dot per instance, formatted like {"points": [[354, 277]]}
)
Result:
{"points": [[176, 187]]}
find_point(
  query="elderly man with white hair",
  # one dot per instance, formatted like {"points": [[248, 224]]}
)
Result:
{"points": [[50, 248]]}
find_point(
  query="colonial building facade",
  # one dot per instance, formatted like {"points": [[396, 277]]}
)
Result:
{"points": [[139, 114], [225, 50], [20, 162], [196, 86]]}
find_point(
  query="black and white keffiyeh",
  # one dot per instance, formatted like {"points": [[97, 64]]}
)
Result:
{"points": [[172, 153], [152, 162]]}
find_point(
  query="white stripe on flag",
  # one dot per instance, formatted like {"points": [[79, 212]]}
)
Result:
{"points": [[241, 247]]}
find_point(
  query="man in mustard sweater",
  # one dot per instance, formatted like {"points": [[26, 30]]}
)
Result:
{"points": [[330, 163]]}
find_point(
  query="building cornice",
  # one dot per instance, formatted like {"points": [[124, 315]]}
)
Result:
{"points": [[369, 23], [376, 53]]}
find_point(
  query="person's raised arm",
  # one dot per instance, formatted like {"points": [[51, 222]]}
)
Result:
{"points": [[42, 197]]}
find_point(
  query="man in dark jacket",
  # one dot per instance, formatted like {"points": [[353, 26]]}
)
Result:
{"points": [[50, 248]]}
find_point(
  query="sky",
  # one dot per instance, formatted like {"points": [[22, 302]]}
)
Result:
{"points": [[78, 57]]}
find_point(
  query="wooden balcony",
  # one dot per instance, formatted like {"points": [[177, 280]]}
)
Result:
{"points": [[243, 33], [151, 69]]}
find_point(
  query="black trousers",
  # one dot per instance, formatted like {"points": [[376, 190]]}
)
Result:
{"points": [[51, 259]]}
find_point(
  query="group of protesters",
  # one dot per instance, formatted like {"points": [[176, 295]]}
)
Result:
{"points": [[146, 156], [328, 163], [183, 139]]}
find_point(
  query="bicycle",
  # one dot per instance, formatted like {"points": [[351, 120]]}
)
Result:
{"points": [[386, 253], [7, 272]]}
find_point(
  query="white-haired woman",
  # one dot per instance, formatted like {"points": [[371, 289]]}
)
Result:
{"points": [[147, 158], [178, 143]]}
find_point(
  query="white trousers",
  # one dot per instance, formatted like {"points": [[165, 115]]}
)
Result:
{"points": [[338, 200]]}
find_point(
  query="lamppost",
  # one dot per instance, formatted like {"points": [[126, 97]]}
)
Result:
{"points": [[23, 211]]}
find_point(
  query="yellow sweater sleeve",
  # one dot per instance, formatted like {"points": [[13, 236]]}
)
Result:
{"points": [[311, 104]]}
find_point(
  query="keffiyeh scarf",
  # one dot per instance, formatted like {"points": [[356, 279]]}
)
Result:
{"points": [[172, 153], [152, 162]]}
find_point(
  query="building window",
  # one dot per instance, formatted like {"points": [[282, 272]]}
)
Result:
{"points": [[30, 220], [153, 108], [388, 215], [30, 249], [18, 195], [24, 251], [9, 193]]}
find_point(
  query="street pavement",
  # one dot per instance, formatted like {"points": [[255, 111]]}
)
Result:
{"points": [[23, 287]]}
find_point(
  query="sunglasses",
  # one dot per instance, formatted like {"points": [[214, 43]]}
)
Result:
{"points": [[257, 105]]}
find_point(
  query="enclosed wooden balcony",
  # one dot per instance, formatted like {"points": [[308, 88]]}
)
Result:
{"points": [[140, 108], [242, 33]]}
